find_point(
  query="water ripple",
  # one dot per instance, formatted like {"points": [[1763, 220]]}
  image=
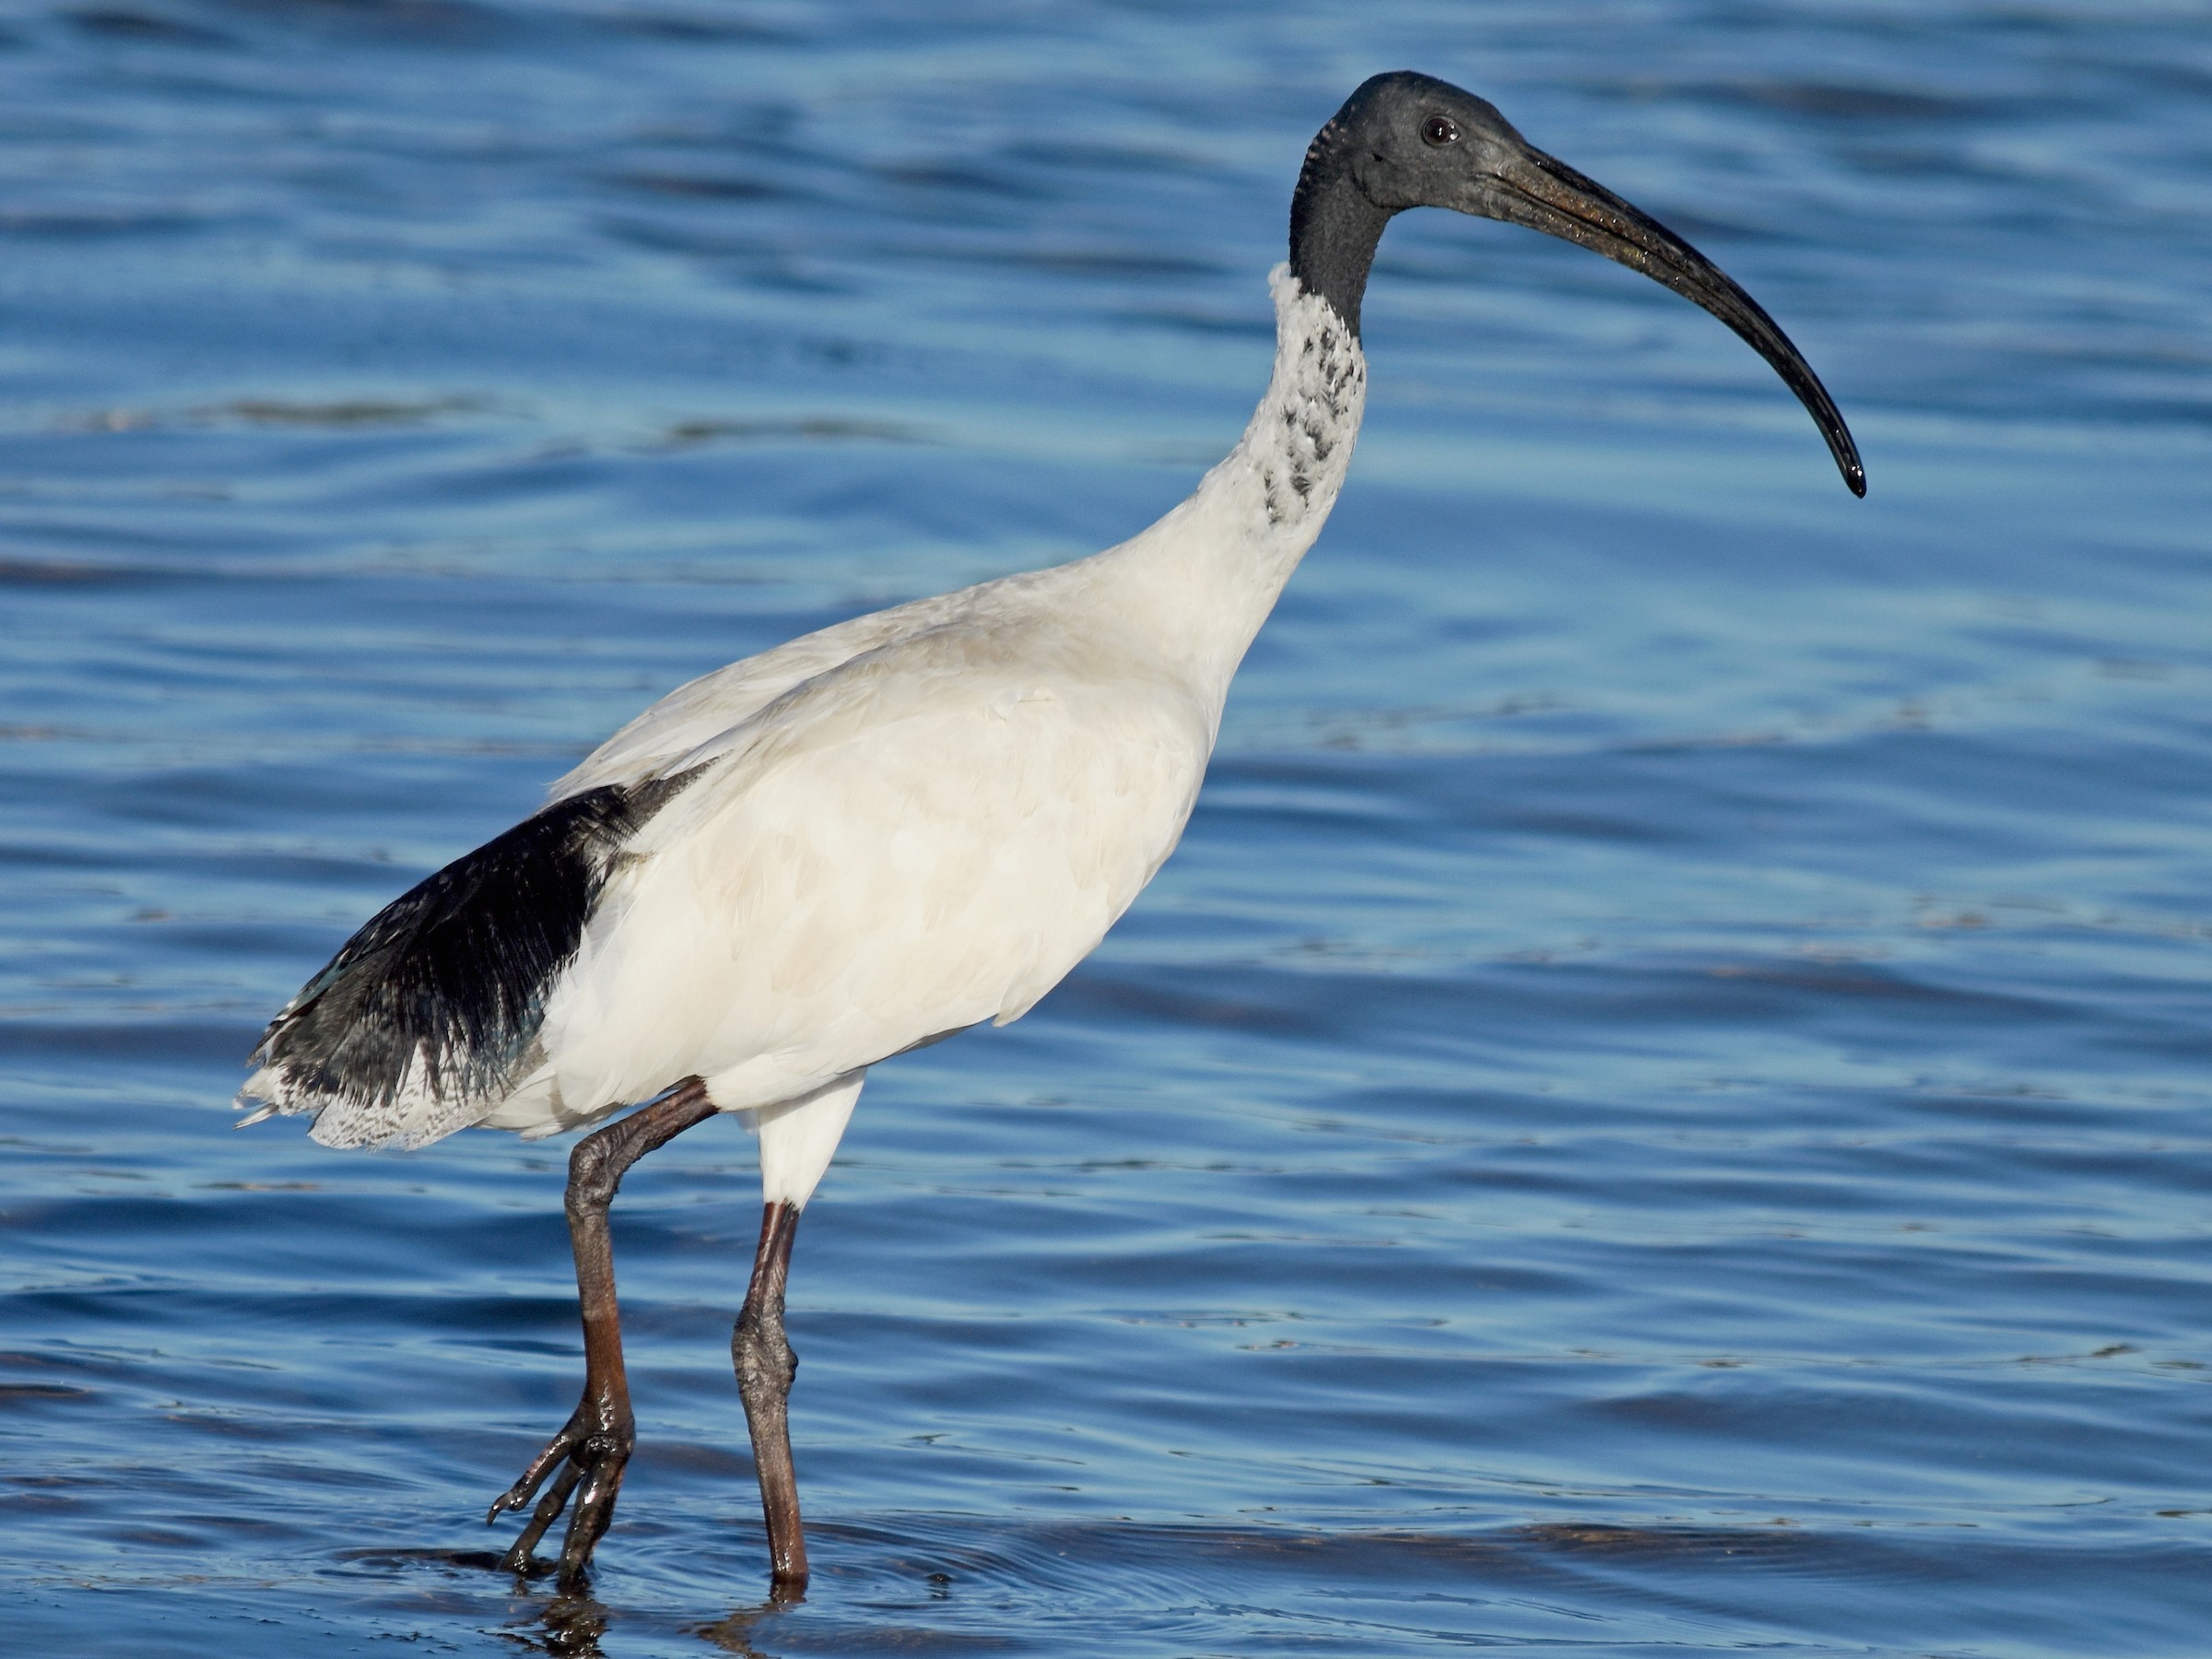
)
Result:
{"points": [[1660, 1107]]}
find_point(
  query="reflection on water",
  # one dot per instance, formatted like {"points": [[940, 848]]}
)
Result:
{"points": [[1661, 1104]]}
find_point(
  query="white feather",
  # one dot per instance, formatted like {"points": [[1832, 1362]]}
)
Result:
{"points": [[799, 1137], [921, 819]]}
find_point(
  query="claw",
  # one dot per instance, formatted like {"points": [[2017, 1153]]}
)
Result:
{"points": [[594, 1510], [579, 1456], [564, 1444], [518, 1558]]}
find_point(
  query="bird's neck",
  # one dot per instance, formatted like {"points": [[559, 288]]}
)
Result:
{"points": [[1334, 225], [1213, 567]]}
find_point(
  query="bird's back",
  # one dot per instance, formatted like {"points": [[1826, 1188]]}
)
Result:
{"points": [[696, 716]]}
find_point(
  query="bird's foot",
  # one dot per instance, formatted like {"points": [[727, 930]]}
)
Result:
{"points": [[585, 1461]]}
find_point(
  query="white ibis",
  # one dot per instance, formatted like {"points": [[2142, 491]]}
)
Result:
{"points": [[881, 833]]}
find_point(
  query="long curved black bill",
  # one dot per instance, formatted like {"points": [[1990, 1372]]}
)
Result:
{"points": [[1546, 194]]}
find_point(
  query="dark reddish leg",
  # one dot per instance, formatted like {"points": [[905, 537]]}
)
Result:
{"points": [[595, 1445], [765, 1367]]}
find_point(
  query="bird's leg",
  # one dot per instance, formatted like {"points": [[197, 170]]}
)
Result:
{"points": [[765, 1367], [595, 1444]]}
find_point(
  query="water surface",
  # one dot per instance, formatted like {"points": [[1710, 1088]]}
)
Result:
{"points": [[1660, 1108]]}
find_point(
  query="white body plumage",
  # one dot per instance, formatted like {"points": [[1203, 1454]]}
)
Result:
{"points": [[900, 826], [893, 828]]}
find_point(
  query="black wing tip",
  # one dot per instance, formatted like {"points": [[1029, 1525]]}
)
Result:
{"points": [[450, 979]]}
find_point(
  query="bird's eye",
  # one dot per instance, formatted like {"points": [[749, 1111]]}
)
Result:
{"points": [[1439, 129]]}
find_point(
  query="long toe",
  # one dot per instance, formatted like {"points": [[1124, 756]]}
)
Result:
{"points": [[604, 1460], [518, 1558], [556, 1451], [584, 1463]]}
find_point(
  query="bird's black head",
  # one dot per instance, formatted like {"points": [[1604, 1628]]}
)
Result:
{"points": [[1407, 140]]}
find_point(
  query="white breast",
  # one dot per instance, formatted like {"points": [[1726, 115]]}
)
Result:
{"points": [[926, 837], [923, 819]]}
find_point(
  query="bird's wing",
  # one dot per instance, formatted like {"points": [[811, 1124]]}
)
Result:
{"points": [[427, 1018], [685, 728], [929, 836]]}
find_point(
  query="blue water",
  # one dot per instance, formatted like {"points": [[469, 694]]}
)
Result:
{"points": [[1662, 1106]]}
